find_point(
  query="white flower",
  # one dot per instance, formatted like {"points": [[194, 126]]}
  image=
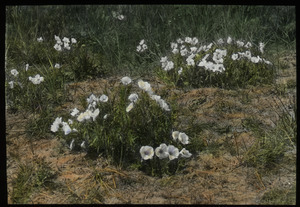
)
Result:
{"points": [[26, 67], [267, 62], [40, 39], [120, 17], [169, 66], [82, 145], [194, 41], [175, 51], [129, 107], [248, 55], [54, 127], [95, 114], [155, 97], [261, 47], [72, 145], [234, 56], [193, 49], [162, 151], [240, 43], [185, 153], [220, 41], [66, 128], [139, 48], [57, 65], [173, 152], [188, 40], [11, 84], [91, 99], [103, 98], [70, 121], [179, 41], [57, 47], [175, 135], [142, 42], [163, 105], [248, 45], [133, 97], [174, 45], [255, 59], [73, 40], [145, 47], [126, 80], [81, 117], [146, 152], [229, 40], [105, 116], [180, 70], [164, 61], [14, 72], [183, 138], [145, 86], [183, 52], [66, 40], [56, 123], [190, 60], [57, 38], [67, 46]]}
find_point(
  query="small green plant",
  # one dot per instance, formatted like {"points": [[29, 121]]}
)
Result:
{"points": [[217, 64], [125, 126], [269, 148]]}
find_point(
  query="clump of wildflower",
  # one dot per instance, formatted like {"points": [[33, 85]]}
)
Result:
{"points": [[142, 46], [65, 42], [146, 152]]}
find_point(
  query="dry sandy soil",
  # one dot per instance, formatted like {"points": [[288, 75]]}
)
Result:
{"points": [[209, 178]]}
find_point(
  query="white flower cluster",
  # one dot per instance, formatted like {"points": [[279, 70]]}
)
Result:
{"points": [[147, 88], [91, 112], [65, 42], [65, 126], [164, 151], [247, 55], [165, 64], [189, 49], [117, 15], [37, 79], [142, 46]]}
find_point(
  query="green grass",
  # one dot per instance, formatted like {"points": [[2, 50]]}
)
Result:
{"points": [[30, 177], [116, 40]]}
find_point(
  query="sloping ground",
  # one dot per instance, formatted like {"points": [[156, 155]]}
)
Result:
{"points": [[211, 177]]}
